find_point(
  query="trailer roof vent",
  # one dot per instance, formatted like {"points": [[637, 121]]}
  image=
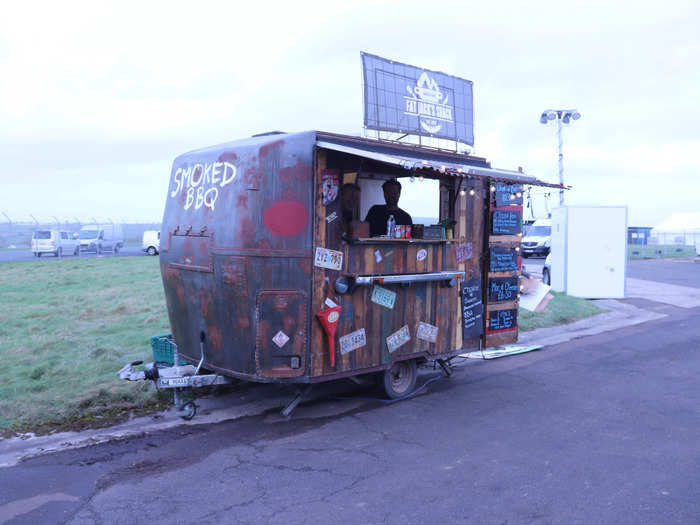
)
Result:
{"points": [[269, 133]]}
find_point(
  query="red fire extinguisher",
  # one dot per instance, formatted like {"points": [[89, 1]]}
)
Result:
{"points": [[329, 320]]}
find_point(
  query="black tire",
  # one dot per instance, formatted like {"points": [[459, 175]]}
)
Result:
{"points": [[38, 254], [76, 251], [59, 252], [188, 410], [151, 250], [98, 250], [400, 379], [116, 249], [546, 278]]}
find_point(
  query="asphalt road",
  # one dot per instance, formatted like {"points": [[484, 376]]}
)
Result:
{"points": [[27, 255], [681, 272], [599, 430]]}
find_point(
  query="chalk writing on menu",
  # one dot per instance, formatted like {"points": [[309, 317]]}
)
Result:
{"points": [[472, 309], [502, 259], [502, 319], [506, 222], [504, 192], [503, 288]]}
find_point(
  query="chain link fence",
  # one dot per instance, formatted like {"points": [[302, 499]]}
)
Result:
{"points": [[667, 244]]}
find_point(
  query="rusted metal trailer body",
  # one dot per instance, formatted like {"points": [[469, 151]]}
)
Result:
{"points": [[254, 246]]}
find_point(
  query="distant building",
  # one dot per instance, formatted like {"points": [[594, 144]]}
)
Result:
{"points": [[638, 234]]}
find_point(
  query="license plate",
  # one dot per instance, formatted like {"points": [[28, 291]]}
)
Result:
{"points": [[175, 381], [353, 341], [383, 297], [330, 259], [398, 338], [427, 332]]}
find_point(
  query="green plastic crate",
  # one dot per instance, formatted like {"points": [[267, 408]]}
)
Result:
{"points": [[163, 349]]}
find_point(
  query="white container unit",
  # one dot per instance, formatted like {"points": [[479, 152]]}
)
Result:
{"points": [[589, 251]]}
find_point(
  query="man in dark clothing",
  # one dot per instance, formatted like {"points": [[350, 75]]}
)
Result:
{"points": [[378, 214]]}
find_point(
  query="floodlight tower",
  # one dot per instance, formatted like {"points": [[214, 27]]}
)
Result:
{"points": [[565, 116]]}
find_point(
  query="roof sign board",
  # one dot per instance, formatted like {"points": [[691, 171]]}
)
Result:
{"points": [[407, 99]]}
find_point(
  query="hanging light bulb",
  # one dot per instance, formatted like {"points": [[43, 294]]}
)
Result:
{"points": [[462, 193], [512, 197], [519, 194], [472, 192], [420, 178], [517, 248], [493, 188]]}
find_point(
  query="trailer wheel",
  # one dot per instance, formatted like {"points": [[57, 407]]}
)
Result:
{"points": [[151, 250], [400, 379], [188, 410]]}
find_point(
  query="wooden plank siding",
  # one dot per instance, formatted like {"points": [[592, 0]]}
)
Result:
{"points": [[432, 302]]}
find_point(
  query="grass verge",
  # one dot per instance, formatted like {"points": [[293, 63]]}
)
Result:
{"points": [[65, 330], [562, 309]]}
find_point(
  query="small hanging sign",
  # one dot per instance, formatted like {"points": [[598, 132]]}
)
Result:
{"points": [[398, 339], [503, 320], [330, 181], [503, 288], [464, 252], [383, 297], [472, 308], [427, 332]]}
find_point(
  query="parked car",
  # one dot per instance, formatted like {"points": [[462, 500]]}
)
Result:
{"points": [[151, 242], [547, 270], [101, 237], [538, 238], [54, 242]]}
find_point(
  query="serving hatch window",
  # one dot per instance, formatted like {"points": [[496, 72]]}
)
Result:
{"points": [[420, 198]]}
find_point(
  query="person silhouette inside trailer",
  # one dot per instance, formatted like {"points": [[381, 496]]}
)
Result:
{"points": [[379, 214]]}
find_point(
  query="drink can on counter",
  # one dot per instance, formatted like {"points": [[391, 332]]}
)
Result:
{"points": [[408, 231], [399, 231]]}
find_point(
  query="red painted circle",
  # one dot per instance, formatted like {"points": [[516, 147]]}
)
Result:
{"points": [[286, 218]]}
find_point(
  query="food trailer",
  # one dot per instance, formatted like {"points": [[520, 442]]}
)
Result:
{"points": [[270, 274]]}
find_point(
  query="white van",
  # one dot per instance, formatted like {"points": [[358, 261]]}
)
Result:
{"points": [[538, 238], [151, 242], [54, 242], [101, 237]]}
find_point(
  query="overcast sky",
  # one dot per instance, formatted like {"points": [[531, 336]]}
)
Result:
{"points": [[97, 98]]}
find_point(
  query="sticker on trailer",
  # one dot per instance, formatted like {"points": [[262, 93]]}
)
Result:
{"points": [[427, 332], [330, 259], [464, 252], [353, 341], [398, 338], [280, 339], [333, 216], [378, 256], [330, 181], [330, 303], [421, 255], [383, 297]]}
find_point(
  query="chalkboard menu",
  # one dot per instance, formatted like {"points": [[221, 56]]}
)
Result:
{"points": [[503, 288], [505, 191], [502, 259], [472, 309], [502, 320], [506, 222]]}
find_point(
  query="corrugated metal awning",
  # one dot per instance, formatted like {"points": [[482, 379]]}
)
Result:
{"points": [[416, 164]]}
